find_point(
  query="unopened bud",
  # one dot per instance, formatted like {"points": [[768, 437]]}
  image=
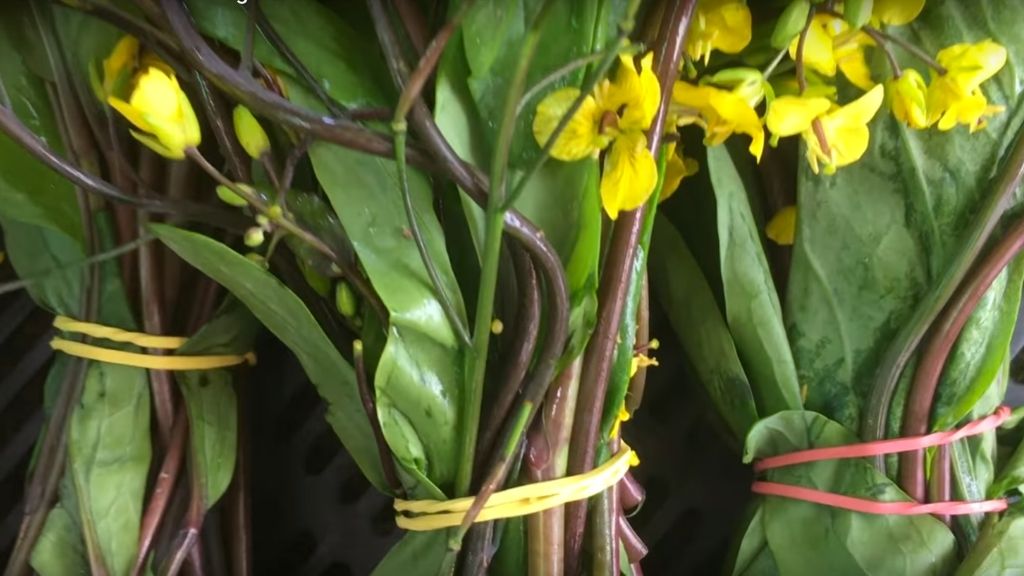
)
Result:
{"points": [[790, 23], [497, 327], [253, 237], [345, 299], [229, 197], [249, 132]]}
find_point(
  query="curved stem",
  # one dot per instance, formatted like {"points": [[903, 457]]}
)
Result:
{"points": [[882, 42], [163, 488], [902, 346], [387, 461], [933, 358], [450, 312], [917, 52]]}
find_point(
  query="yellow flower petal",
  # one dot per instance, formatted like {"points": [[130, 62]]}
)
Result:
{"points": [[677, 168], [130, 114], [636, 94], [581, 137], [853, 63], [896, 12], [119, 64], [846, 128], [818, 46], [156, 146], [968, 65], [723, 25], [630, 174], [781, 229], [791, 115]]}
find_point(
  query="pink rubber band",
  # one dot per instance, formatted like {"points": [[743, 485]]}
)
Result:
{"points": [[875, 507], [879, 448]]}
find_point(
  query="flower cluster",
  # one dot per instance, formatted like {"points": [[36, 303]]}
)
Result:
{"points": [[802, 99]]}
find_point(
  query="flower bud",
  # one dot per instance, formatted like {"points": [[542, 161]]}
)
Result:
{"points": [[229, 197], [857, 12], [345, 299], [321, 284], [908, 98], [790, 23], [747, 83], [159, 108], [253, 237], [249, 132]]}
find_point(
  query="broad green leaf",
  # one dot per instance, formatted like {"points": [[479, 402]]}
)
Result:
{"points": [[811, 539], [59, 551], [751, 305], [283, 313], [873, 237], [332, 47], [49, 201], [109, 455], [691, 308], [415, 553], [980, 351], [998, 552], [210, 398]]}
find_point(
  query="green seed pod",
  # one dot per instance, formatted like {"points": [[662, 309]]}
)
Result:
{"points": [[253, 237], [229, 197], [249, 132], [345, 299], [857, 12], [791, 22]]}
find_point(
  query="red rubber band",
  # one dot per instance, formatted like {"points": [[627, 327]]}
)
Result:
{"points": [[882, 447], [875, 507], [879, 448]]}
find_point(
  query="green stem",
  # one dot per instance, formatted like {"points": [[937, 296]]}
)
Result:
{"points": [[27, 281], [450, 312]]}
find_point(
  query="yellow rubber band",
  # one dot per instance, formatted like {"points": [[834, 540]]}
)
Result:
{"points": [[150, 361], [422, 515], [143, 340], [140, 339]]}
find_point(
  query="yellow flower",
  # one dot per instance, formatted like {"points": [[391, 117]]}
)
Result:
{"points": [[161, 110], [907, 96], [836, 137], [719, 112], [616, 114], [781, 229], [832, 45], [955, 97], [895, 12], [119, 66], [677, 168], [718, 25]]}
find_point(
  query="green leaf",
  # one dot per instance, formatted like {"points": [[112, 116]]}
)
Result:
{"points": [[59, 551], [415, 553], [980, 350], [210, 398], [754, 557], [109, 455], [811, 539], [331, 45], [873, 237], [857, 12], [998, 552], [751, 305], [29, 191], [281, 311], [691, 308]]}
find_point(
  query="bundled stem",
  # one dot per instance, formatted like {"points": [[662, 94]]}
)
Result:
{"points": [[615, 282]]}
